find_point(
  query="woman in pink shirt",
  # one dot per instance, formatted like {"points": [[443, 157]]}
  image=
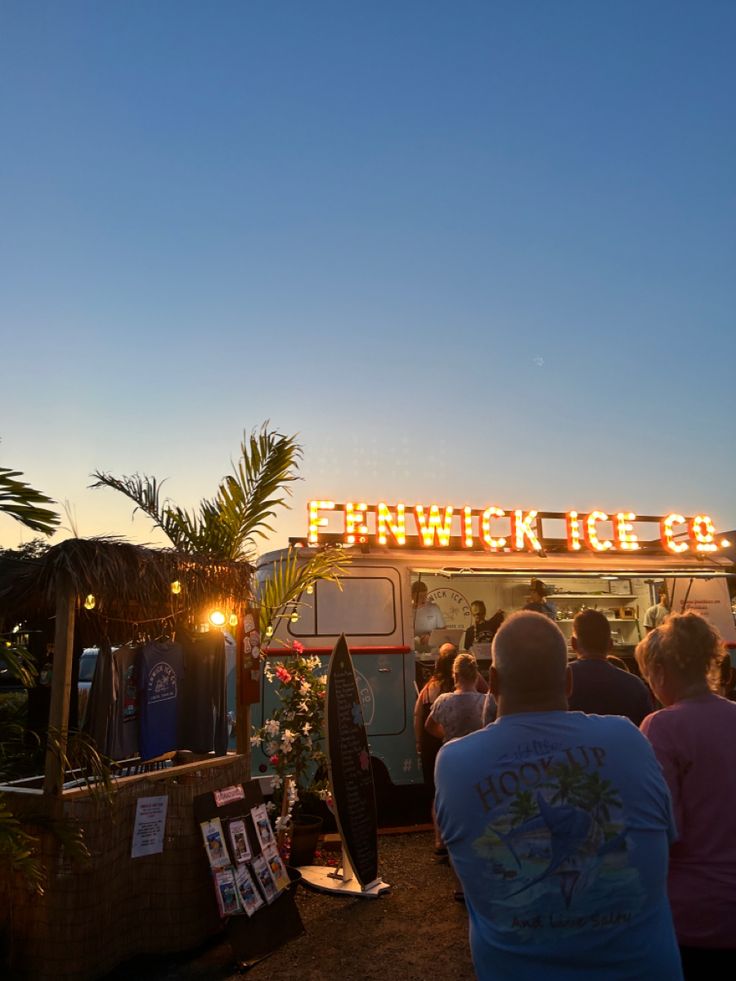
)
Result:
{"points": [[693, 737]]}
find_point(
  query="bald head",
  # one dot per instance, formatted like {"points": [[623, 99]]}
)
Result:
{"points": [[529, 670]]}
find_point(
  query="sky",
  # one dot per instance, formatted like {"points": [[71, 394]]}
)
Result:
{"points": [[471, 252]]}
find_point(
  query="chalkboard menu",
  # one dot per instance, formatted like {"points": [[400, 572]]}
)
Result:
{"points": [[349, 760]]}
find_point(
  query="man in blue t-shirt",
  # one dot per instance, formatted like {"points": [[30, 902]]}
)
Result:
{"points": [[558, 826]]}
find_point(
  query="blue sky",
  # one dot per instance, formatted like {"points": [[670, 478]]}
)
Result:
{"points": [[471, 252]]}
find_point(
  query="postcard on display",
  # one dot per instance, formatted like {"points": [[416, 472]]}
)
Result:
{"points": [[215, 843], [228, 896], [239, 841], [249, 895], [277, 867], [265, 879], [262, 825]]}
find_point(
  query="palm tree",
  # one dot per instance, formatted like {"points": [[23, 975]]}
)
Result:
{"points": [[228, 526]]}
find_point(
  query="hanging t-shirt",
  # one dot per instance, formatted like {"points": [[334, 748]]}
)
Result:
{"points": [[98, 712], [558, 825], [204, 719], [160, 672], [123, 732]]}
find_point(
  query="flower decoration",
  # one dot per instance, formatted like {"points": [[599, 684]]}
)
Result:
{"points": [[292, 736]]}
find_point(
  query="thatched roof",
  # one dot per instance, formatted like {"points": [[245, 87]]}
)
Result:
{"points": [[129, 582]]}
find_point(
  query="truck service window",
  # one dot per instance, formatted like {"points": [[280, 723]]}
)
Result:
{"points": [[364, 607]]}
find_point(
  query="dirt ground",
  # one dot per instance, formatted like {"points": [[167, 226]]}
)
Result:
{"points": [[416, 932]]}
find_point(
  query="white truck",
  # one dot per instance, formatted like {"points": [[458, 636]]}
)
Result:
{"points": [[374, 607]]}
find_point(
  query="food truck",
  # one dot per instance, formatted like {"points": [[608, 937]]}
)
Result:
{"points": [[616, 563]]}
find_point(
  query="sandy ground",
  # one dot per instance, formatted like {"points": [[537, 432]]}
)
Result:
{"points": [[417, 931]]}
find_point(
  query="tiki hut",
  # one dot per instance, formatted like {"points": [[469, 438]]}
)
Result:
{"points": [[95, 914]]}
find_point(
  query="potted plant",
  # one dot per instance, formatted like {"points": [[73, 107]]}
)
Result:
{"points": [[292, 738]]}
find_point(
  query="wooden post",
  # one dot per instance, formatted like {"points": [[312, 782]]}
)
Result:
{"points": [[61, 684]]}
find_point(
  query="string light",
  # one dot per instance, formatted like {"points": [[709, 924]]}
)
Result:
{"points": [[623, 532], [667, 534], [217, 617], [90, 602], [176, 587], [488, 539], [233, 620]]}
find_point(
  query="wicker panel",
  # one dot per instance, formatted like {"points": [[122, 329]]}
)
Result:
{"points": [[93, 917]]}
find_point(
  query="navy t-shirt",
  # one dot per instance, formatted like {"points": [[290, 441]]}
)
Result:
{"points": [[600, 688], [160, 673]]}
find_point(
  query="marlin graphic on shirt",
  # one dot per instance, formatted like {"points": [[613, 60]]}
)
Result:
{"points": [[570, 828]]}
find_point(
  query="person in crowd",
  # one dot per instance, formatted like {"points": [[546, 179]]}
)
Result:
{"points": [[655, 615], [482, 631], [457, 713], [440, 683], [693, 737], [538, 603], [558, 826], [598, 687], [427, 615]]}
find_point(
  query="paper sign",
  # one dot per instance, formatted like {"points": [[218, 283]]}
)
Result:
{"points": [[148, 830], [228, 795]]}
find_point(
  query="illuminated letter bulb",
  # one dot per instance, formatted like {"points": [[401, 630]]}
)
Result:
{"points": [[667, 536], [315, 522], [593, 540], [428, 526], [524, 526], [703, 533], [626, 540], [468, 527], [386, 523], [573, 531], [492, 543], [354, 521]]}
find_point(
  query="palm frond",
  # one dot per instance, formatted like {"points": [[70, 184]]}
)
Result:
{"points": [[290, 576], [19, 663], [23, 502], [145, 493], [19, 850]]}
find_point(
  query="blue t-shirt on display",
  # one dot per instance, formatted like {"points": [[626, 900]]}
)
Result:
{"points": [[160, 672], [558, 825]]}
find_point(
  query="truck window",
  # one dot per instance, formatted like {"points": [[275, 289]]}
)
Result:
{"points": [[364, 607]]}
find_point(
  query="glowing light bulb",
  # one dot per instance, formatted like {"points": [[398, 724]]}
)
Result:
{"points": [[294, 617], [597, 544], [217, 618], [434, 524], [488, 539], [233, 620], [176, 587], [623, 532], [269, 631], [573, 531], [525, 529], [703, 532], [310, 589], [90, 602], [468, 539], [315, 521], [667, 535], [387, 523]]}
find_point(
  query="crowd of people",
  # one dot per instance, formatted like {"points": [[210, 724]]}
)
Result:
{"points": [[589, 814]]}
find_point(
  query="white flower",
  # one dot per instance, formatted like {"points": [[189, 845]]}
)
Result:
{"points": [[305, 688], [282, 823], [255, 740], [303, 707], [272, 727], [287, 739], [270, 807], [276, 781], [306, 727]]}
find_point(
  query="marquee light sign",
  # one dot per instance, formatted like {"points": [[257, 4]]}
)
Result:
{"points": [[494, 529]]}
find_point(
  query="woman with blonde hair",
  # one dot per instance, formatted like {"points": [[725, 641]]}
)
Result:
{"points": [[693, 737]]}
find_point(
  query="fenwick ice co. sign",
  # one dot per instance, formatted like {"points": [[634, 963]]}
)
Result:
{"points": [[494, 529]]}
